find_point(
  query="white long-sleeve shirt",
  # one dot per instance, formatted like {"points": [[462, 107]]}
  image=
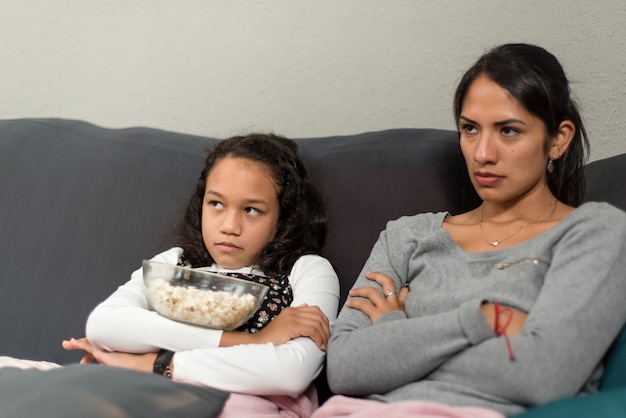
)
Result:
{"points": [[126, 322]]}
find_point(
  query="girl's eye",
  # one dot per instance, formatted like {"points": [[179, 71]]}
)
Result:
{"points": [[252, 211], [216, 204]]}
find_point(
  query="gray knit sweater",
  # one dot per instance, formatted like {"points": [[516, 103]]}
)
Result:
{"points": [[571, 279]]}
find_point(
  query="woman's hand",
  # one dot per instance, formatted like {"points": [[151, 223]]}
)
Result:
{"points": [[372, 302], [510, 320], [139, 362], [291, 323]]}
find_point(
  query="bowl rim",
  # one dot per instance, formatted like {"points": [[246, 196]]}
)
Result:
{"points": [[197, 270]]}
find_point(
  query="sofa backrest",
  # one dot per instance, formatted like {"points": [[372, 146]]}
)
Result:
{"points": [[371, 178], [82, 205], [606, 182]]}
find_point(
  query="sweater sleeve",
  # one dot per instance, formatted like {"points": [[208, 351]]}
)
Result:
{"points": [[422, 343], [577, 315], [265, 369]]}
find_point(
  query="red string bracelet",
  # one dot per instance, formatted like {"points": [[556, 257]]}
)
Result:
{"points": [[499, 329]]}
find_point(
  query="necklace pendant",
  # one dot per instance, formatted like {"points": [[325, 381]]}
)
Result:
{"points": [[495, 243]]}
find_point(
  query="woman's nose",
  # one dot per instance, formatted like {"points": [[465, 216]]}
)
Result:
{"points": [[485, 151]]}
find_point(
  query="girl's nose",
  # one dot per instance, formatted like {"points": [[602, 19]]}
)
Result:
{"points": [[231, 223]]}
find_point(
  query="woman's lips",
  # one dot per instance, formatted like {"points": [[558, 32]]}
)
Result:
{"points": [[487, 179]]}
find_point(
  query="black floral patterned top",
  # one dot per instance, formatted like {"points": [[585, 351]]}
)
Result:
{"points": [[278, 297]]}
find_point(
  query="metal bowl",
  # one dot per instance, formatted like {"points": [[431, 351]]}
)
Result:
{"points": [[200, 297]]}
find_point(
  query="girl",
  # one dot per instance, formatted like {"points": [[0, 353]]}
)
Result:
{"points": [[510, 305], [255, 214]]}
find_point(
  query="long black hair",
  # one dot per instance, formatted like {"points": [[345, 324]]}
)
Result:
{"points": [[302, 221], [537, 80]]}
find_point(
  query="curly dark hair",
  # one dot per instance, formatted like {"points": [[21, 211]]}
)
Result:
{"points": [[302, 221], [537, 80]]}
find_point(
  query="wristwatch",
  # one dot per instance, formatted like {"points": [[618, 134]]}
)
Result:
{"points": [[162, 363]]}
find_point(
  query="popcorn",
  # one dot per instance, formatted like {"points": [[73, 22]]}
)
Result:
{"points": [[215, 309]]}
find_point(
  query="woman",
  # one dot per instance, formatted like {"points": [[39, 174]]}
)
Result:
{"points": [[509, 305]]}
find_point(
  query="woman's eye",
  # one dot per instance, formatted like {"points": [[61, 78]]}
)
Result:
{"points": [[468, 129], [507, 131]]}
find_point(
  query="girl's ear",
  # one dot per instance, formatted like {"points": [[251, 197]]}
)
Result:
{"points": [[562, 139]]}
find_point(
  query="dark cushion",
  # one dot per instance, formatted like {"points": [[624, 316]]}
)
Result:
{"points": [[94, 391], [371, 178], [81, 207], [606, 181]]}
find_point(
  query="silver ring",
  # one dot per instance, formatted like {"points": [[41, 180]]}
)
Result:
{"points": [[390, 293]]}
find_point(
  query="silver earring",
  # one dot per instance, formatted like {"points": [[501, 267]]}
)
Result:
{"points": [[550, 166]]}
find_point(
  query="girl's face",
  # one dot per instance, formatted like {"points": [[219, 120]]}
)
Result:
{"points": [[504, 145], [239, 212]]}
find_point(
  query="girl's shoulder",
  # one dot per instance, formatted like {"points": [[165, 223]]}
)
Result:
{"points": [[311, 261], [171, 256]]}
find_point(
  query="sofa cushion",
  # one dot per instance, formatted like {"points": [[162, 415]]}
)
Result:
{"points": [[81, 207], [371, 178], [79, 391], [606, 181]]}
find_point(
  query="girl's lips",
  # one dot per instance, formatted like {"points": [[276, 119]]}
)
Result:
{"points": [[227, 247], [487, 179]]}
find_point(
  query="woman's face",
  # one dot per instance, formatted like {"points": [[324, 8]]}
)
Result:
{"points": [[504, 145], [239, 212]]}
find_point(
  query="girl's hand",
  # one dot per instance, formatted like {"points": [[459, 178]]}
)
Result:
{"points": [[510, 320], [81, 344], [291, 323], [372, 302], [139, 362]]}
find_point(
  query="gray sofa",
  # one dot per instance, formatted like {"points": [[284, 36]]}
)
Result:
{"points": [[82, 205]]}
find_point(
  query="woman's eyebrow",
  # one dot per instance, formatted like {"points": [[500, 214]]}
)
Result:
{"points": [[508, 121], [498, 123]]}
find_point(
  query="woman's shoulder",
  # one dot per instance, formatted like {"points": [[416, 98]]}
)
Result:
{"points": [[599, 213], [597, 222], [426, 221]]}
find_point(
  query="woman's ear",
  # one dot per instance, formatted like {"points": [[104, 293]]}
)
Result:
{"points": [[562, 139]]}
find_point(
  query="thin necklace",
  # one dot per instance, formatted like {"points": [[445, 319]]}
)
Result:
{"points": [[500, 241]]}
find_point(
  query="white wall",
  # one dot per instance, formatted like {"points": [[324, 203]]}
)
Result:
{"points": [[300, 68]]}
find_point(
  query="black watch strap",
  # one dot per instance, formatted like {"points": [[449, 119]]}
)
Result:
{"points": [[162, 361]]}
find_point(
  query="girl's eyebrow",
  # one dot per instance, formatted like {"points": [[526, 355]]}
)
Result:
{"points": [[499, 123], [249, 201]]}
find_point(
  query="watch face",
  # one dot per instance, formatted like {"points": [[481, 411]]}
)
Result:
{"points": [[162, 361]]}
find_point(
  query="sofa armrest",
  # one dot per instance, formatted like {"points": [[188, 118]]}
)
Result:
{"points": [[605, 404]]}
